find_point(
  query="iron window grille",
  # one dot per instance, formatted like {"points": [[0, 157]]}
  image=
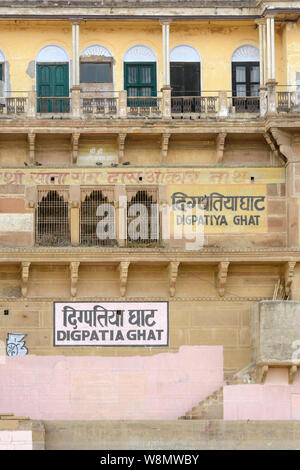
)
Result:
{"points": [[52, 227], [91, 199], [150, 233]]}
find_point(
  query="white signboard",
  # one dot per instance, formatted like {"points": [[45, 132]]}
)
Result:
{"points": [[111, 324]]}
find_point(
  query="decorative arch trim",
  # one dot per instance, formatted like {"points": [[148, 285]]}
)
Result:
{"points": [[184, 53], [2, 56], [52, 53], [140, 53], [96, 50], [246, 53]]}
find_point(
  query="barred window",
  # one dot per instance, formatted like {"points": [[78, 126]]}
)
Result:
{"points": [[52, 226], [142, 216], [97, 221]]}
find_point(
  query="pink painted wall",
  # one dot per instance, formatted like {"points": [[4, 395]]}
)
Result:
{"points": [[15, 440], [275, 399], [164, 386]]}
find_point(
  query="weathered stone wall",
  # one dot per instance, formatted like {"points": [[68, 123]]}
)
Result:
{"points": [[173, 435], [275, 332]]}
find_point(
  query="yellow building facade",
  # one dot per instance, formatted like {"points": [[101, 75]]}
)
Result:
{"points": [[184, 124]]}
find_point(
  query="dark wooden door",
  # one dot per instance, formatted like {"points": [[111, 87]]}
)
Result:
{"points": [[245, 83], [185, 78]]}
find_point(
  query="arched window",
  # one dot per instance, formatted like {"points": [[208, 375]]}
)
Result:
{"points": [[140, 71], [52, 79], [52, 218], [96, 65], [89, 220], [245, 77], [142, 216], [185, 71]]}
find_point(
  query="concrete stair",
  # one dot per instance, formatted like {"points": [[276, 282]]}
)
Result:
{"points": [[210, 408]]}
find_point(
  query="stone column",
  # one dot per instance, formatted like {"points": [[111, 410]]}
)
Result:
{"points": [[121, 214], [31, 105], [166, 103], [166, 89], [166, 51], [75, 52], [270, 49], [75, 214], [75, 92], [270, 79], [122, 104], [223, 108], [261, 29]]}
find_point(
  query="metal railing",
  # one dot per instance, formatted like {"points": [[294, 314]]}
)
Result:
{"points": [[144, 106], [99, 105], [53, 104], [116, 104], [194, 105], [244, 104], [13, 105], [288, 101]]}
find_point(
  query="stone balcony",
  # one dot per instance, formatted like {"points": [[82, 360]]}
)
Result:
{"points": [[275, 336], [117, 105]]}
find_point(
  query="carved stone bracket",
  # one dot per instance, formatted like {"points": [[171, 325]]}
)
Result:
{"points": [[292, 373], [222, 277], [25, 277], [173, 273], [123, 270], [31, 147], [271, 144], [220, 144], [121, 146], [262, 375], [284, 142], [289, 270], [164, 147], [75, 142], [74, 269]]}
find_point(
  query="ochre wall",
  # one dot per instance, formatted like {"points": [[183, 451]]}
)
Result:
{"points": [[17, 218], [21, 41]]}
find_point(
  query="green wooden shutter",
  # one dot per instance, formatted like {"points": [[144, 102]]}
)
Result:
{"points": [[140, 79], [53, 81]]}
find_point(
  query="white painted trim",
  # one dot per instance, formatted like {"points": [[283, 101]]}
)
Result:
{"points": [[184, 53], [137, 59], [52, 53], [64, 55], [95, 49], [140, 53], [2, 56], [246, 53]]}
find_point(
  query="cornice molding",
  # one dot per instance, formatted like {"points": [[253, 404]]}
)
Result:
{"points": [[132, 299], [66, 255]]}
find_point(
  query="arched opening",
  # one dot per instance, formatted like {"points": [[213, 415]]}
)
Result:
{"points": [[52, 80], [52, 218], [142, 216], [89, 220], [245, 78], [140, 72], [96, 68], [185, 71]]}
